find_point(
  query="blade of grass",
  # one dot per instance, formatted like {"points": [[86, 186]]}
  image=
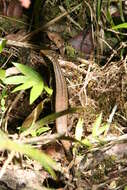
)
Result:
{"points": [[120, 26], [96, 126], [48, 119], [121, 11], [2, 44], [42, 158], [79, 129], [98, 9]]}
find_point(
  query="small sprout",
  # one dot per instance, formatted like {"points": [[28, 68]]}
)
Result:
{"points": [[2, 44]]}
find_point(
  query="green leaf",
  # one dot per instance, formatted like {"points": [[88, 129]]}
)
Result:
{"points": [[3, 97], [2, 44], [2, 74], [120, 5], [109, 17], [32, 79], [98, 9], [25, 86], [28, 71], [48, 90], [36, 91], [40, 131], [15, 79], [79, 129], [96, 126], [103, 129], [42, 158], [68, 2], [48, 119], [125, 187], [87, 143], [119, 26]]}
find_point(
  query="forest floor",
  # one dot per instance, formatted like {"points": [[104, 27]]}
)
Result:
{"points": [[86, 43]]}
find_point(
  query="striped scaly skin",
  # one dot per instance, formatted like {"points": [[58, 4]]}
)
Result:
{"points": [[61, 100]]}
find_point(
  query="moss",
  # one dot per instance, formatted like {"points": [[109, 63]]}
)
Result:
{"points": [[70, 51]]}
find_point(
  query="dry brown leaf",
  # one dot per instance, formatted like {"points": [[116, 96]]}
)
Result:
{"points": [[33, 116], [57, 40]]}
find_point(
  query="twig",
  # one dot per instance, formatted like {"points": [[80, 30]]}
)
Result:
{"points": [[22, 44], [70, 18], [11, 107], [9, 159], [44, 139]]}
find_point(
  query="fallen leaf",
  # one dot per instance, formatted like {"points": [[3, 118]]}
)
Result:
{"points": [[83, 43], [33, 116], [57, 40]]}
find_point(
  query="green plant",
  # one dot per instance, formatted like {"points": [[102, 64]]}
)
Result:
{"points": [[2, 100], [79, 129], [2, 74], [33, 129], [98, 9], [120, 26], [108, 15], [42, 158], [2, 44], [29, 79], [97, 131]]}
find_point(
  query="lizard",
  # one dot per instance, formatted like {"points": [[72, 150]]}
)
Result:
{"points": [[61, 99]]}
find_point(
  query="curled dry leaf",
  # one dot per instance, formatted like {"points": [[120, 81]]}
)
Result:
{"points": [[33, 116], [57, 40]]}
